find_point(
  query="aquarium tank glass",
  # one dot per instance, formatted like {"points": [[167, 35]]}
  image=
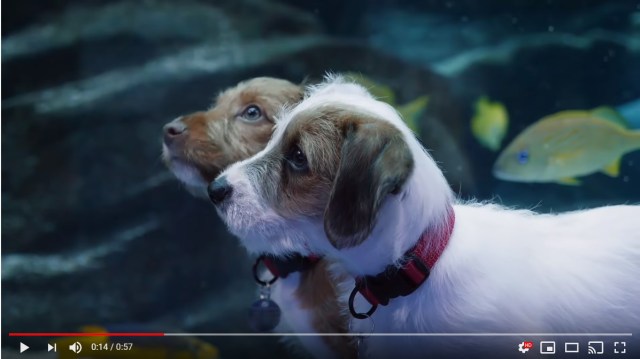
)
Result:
{"points": [[99, 235]]}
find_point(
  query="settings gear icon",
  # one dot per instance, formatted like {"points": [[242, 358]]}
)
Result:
{"points": [[522, 349]]}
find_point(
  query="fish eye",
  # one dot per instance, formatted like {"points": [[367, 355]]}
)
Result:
{"points": [[251, 114], [297, 160], [523, 157]]}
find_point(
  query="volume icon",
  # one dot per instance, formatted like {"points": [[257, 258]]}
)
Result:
{"points": [[75, 347]]}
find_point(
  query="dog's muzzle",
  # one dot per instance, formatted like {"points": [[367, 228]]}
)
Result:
{"points": [[219, 190]]}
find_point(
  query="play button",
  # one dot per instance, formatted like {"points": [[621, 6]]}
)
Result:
{"points": [[23, 347]]}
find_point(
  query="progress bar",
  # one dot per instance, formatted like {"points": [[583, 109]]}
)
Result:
{"points": [[83, 334], [320, 334]]}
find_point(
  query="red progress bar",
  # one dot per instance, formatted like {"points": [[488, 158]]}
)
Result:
{"points": [[86, 334]]}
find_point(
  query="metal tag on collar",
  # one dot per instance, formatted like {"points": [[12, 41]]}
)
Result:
{"points": [[264, 314], [361, 336]]}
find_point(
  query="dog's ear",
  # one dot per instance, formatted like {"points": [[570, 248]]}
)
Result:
{"points": [[375, 161]]}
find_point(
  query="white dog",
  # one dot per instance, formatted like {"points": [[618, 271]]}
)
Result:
{"points": [[344, 177]]}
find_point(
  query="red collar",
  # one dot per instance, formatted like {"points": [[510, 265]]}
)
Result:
{"points": [[401, 281], [282, 267]]}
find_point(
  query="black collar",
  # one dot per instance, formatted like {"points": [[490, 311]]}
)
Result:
{"points": [[282, 267]]}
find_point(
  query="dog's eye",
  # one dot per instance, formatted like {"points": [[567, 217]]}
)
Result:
{"points": [[297, 159], [251, 113]]}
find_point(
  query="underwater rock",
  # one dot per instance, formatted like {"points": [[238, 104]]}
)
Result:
{"points": [[224, 23], [186, 63], [85, 41]]}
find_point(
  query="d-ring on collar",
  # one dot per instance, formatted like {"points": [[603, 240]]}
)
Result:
{"points": [[399, 281], [282, 267]]}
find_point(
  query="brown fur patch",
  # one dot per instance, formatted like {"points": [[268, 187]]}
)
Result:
{"points": [[318, 294], [219, 137], [375, 162], [306, 192], [354, 161]]}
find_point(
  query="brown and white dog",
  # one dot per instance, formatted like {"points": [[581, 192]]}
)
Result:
{"points": [[344, 177], [198, 146]]}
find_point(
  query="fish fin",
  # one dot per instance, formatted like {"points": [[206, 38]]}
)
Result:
{"points": [[489, 123], [478, 121], [411, 111], [610, 114], [613, 168], [569, 181], [379, 91]]}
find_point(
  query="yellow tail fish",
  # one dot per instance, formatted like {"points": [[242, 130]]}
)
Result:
{"points": [[489, 123], [566, 145]]}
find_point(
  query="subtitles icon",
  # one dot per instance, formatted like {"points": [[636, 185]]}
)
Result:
{"points": [[596, 348], [572, 347], [547, 347], [525, 346]]}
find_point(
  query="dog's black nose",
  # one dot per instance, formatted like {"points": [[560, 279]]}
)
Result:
{"points": [[219, 190]]}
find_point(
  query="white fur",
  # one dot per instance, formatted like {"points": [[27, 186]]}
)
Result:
{"points": [[186, 173], [503, 270]]}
